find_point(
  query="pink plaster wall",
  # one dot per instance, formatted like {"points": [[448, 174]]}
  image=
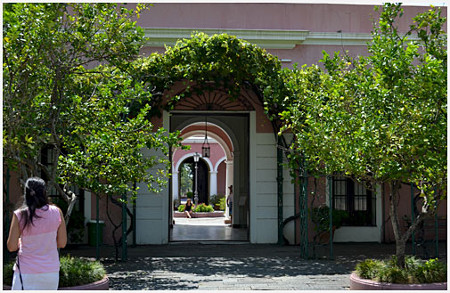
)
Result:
{"points": [[211, 129], [216, 153], [277, 16], [221, 178]]}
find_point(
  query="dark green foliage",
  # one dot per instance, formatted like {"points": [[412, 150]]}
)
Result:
{"points": [[74, 271], [417, 271], [320, 216], [8, 273]]}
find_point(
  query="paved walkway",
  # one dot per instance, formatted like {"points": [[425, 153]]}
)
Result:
{"points": [[233, 266], [202, 229]]}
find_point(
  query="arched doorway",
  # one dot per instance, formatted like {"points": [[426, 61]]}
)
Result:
{"points": [[187, 179], [215, 173]]}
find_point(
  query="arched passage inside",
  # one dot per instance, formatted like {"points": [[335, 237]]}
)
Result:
{"points": [[192, 176], [226, 141]]}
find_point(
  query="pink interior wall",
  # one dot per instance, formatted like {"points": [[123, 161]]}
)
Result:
{"points": [[216, 152], [211, 129], [221, 178]]}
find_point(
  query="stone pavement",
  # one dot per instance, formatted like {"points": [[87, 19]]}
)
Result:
{"points": [[233, 266]]}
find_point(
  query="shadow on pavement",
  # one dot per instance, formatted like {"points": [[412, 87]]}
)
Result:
{"points": [[184, 266]]}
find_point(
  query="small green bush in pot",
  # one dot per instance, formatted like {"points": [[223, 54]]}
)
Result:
{"points": [[417, 271]]}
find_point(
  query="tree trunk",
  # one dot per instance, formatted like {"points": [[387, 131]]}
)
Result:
{"points": [[400, 241]]}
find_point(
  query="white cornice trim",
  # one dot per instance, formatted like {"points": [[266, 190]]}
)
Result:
{"points": [[268, 39], [347, 39]]}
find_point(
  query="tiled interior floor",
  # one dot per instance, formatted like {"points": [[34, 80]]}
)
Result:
{"points": [[205, 229]]}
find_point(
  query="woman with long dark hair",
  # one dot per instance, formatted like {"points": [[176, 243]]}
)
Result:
{"points": [[37, 231]]}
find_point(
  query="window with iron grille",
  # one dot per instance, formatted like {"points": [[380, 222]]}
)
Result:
{"points": [[356, 199]]}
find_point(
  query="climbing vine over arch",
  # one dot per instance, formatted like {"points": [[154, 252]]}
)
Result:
{"points": [[204, 63]]}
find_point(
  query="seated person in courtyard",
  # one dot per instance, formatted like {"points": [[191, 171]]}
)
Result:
{"points": [[188, 208]]}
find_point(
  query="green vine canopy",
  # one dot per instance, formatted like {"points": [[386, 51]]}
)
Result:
{"points": [[205, 63]]}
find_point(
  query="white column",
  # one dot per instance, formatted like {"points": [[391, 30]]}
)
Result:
{"points": [[229, 174], [175, 185], [213, 182]]}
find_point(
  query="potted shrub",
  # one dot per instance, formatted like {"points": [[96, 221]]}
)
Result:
{"points": [[387, 275], [320, 216], [75, 274], [216, 201]]}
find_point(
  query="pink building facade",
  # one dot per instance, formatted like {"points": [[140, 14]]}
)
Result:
{"points": [[295, 33], [244, 151]]}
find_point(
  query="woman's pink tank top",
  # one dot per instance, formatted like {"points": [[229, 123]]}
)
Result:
{"points": [[38, 251]]}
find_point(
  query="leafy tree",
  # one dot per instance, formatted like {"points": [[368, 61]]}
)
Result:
{"points": [[380, 118], [186, 178], [55, 94]]}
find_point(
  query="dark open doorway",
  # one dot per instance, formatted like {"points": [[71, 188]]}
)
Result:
{"points": [[187, 179]]}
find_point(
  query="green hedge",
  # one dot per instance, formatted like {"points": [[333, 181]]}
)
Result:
{"points": [[200, 208], [203, 208]]}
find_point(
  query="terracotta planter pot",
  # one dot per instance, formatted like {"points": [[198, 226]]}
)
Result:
{"points": [[103, 284], [356, 283]]}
